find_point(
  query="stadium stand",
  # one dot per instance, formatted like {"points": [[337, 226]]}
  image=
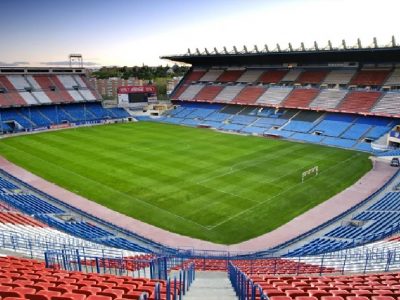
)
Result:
{"points": [[209, 92], [249, 95], [377, 221], [388, 104], [191, 91], [292, 75], [68, 99], [333, 129], [272, 76], [312, 76], [339, 77], [300, 98], [331, 112], [361, 287], [274, 95], [250, 76], [29, 118], [228, 93], [230, 76], [370, 77], [394, 78], [13, 96], [303, 121], [328, 99], [195, 75], [211, 75], [359, 101], [64, 220], [334, 124], [266, 266], [30, 279]]}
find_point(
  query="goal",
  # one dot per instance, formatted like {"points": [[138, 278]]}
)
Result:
{"points": [[313, 170]]}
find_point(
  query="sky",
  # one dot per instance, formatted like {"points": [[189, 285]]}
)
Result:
{"points": [[136, 32]]}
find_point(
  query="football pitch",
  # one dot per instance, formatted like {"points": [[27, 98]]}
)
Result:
{"points": [[218, 187]]}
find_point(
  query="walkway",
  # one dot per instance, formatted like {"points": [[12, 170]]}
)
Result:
{"points": [[368, 184], [211, 286]]}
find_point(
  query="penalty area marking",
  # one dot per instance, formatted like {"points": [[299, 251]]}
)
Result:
{"points": [[270, 198]]}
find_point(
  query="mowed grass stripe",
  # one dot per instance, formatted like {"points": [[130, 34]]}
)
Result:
{"points": [[218, 187]]}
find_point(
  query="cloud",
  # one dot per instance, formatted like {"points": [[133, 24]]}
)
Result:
{"points": [[66, 63], [14, 64]]}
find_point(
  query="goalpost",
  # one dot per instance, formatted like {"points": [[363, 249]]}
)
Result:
{"points": [[313, 170]]}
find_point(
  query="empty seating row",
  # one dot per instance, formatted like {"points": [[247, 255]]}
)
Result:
{"points": [[358, 101], [43, 89], [29, 279], [388, 104], [370, 77], [27, 118], [351, 76], [381, 219], [333, 129], [382, 286]]}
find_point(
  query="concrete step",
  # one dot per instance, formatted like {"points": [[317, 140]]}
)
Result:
{"points": [[211, 286]]}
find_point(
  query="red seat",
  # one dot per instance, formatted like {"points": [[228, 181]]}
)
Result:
{"points": [[117, 292], [24, 290], [296, 293], [136, 295], [5, 294], [83, 292], [37, 297], [306, 298], [382, 298], [91, 289], [69, 280], [361, 292], [97, 297], [48, 294], [383, 292], [318, 294], [280, 298], [72, 295], [357, 298], [126, 287], [332, 298], [65, 287]]}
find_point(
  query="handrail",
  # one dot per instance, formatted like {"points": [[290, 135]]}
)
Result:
{"points": [[164, 250]]}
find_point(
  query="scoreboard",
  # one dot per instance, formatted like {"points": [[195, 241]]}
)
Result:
{"points": [[136, 96]]}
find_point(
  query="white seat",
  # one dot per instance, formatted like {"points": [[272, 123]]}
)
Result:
{"points": [[274, 95]]}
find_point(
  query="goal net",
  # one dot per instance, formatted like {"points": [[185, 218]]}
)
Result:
{"points": [[309, 172]]}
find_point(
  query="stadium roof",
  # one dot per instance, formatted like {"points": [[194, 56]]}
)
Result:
{"points": [[314, 56]]}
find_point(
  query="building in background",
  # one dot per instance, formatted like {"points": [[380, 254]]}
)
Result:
{"points": [[108, 88], [172, 83]]}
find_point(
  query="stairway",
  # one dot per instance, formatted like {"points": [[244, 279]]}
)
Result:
{"points": [[211, 286]]}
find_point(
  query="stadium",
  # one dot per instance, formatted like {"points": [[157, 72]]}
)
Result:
{"points": [[267, 174]]}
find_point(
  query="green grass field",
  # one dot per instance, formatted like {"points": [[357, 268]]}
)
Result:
{"points": [[218, 187]]}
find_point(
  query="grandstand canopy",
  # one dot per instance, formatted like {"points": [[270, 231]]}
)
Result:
{"points": [[356, 55]]}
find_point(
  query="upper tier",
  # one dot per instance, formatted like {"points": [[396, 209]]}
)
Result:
{"points": [[366, 90], [18, 87]]}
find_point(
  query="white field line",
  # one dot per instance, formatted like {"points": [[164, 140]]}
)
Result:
{"points": [[112, 189], [246, 163], [266, 200], [244, 198]]}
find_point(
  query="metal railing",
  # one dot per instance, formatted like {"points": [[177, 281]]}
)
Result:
{"points": [[244, 287], [157, 268], [36, 246]]}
